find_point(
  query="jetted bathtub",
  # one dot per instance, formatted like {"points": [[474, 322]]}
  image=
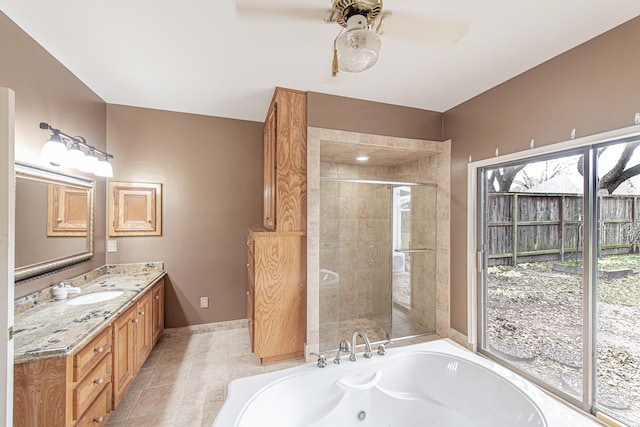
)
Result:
{"points": [[431, 384]]}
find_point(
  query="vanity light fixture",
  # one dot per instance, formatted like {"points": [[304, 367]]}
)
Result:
{"points": [[89, 162], [104, 168], [74, 156], [56, 153], [362, 158], [54, 150]]}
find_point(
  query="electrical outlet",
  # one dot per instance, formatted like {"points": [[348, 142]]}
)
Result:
{"points": [[112, 246], [204, 302]]}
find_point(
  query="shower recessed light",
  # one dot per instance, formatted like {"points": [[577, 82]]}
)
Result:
{"points": [[362, 158]]}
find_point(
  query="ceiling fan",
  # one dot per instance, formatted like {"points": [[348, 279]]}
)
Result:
{"points": [[357, 46]]}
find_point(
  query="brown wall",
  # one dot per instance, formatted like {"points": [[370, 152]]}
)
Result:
{"points": [[211, 171], [48, 92], [355, 115], [592, 88]]}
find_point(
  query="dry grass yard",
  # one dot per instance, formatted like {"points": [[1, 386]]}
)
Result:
{"points": [[534, 320]]}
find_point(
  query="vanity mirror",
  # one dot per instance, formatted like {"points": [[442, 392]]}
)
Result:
{"points": [[54, 221]]}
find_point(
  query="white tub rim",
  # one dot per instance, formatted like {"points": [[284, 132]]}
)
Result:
{"points": [[243, 391]]}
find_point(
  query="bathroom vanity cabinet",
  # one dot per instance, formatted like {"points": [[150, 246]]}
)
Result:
{"points": [[276, 294], [82, 388], [134, 335], [74, 390], [285, 162], [158, 310]]}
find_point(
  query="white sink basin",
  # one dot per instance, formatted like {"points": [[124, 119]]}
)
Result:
{"points": [[94, 297]]}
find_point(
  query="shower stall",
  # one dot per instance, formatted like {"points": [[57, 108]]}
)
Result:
{"points": [[377, 259]]}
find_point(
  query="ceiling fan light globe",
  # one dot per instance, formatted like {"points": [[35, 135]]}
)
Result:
{"points": [[357, 50]]}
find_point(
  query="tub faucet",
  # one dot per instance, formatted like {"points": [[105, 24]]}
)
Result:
{"points": [[367, 345], [345, 347], [322, 361]]}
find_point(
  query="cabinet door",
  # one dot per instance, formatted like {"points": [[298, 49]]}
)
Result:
{"points": [[144, 329], [135, 209], [124, 341], [158, 311], [291, 160], [279, 326], [270, 166]]}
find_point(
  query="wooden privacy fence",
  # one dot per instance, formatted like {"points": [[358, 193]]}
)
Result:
{"points": [[525, 227]]}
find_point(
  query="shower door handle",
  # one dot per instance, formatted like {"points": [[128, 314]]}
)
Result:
{"points": [[374, 254]]}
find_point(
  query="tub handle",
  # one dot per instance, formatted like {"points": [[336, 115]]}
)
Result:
{"points": [[360, 387]]}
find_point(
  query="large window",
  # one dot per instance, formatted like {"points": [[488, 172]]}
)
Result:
{"points": [[558, 241]]}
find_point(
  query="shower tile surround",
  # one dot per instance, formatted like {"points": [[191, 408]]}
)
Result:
{"points": [[407, 165]]}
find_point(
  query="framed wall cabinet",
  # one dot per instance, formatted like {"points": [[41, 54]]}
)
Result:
{"points": [[135, 209]]}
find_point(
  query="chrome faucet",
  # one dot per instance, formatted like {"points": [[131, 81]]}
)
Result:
{"points": [[345, 347], [367, 345], [322, 360]]}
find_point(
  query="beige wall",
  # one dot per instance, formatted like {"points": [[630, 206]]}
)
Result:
{"points": [[48, 92], [211, 172], [592, 88], [355, 115]]}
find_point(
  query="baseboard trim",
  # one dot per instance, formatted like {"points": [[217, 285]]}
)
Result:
{"points": [[205, 327]]}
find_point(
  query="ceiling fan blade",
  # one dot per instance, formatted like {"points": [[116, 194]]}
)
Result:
{"points": [[438, 32], [280, 10]]}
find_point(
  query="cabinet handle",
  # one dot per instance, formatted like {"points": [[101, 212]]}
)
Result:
{"points": [[248, 265], [248, 293], [99, 381], [141, 313], [157, 296], [99, 349], [135, 320], [98, 420]]}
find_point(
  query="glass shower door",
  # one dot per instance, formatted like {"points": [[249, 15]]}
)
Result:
{"points": [[380, 261], [414, 260]]}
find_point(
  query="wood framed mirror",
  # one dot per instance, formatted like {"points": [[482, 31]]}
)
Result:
{"points": [[54, 220]]}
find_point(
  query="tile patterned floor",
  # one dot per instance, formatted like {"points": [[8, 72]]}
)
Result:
{"points": [[184, 381]]}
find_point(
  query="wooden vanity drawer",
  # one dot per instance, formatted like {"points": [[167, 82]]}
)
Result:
{"points": [[91, 354], [98, 413], [87, 390]]}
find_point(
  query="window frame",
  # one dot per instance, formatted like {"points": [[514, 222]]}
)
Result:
{"points": [[477, 259]]}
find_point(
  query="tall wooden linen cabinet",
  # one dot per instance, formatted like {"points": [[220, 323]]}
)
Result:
{"points": [[276, 251]]}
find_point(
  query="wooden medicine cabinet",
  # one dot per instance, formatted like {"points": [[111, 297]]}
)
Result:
{"points": [[135, 209]]}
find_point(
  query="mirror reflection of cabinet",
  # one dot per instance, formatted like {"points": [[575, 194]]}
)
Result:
{"points": [[42, 243], [66, 211]]}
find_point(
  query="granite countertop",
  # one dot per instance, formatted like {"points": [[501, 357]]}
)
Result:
{"points": [[57, 329]]}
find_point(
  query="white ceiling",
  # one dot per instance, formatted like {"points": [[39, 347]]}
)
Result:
{"points": [[200, 57]]}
